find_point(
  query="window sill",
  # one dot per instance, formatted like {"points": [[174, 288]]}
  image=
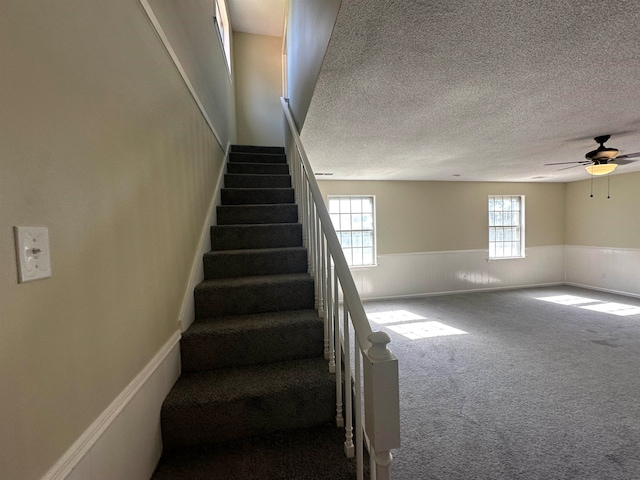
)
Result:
{"points": [[358, 267], [493, 259]]}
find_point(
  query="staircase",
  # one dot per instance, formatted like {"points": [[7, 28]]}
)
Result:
{"points": [[255, 399]]}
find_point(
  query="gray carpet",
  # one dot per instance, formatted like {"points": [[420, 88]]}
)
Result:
{"points": [[534, 390]]}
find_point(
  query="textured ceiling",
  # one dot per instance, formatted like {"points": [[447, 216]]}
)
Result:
{"points": [[261, 17], [489, 90]]}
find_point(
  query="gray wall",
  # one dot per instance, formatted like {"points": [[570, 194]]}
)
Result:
{"points": [[310, 25], [191, 29], [603, 222], [445, 216], [101, 142], [258, 82]]}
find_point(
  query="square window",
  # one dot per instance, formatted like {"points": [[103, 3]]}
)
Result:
{"points": [[354, 220]]}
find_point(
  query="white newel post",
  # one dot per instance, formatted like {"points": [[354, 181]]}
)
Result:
{"points": [[381, 402]]}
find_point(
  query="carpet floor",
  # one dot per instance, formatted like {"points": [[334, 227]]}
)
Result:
{"points": [[533, 388]]}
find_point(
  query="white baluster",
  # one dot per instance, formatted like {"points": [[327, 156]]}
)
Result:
{"points": [[349, 449], [317, 284], [303, 209], [358, 410], [295, 178], [311, 234], [338, 349], [329, 309]]}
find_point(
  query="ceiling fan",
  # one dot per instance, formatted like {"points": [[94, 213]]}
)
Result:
{"points": [[602, 160]]}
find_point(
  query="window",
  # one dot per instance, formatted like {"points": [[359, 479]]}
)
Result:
{"points": [[354, 220], [506, 226], [224, 30]]}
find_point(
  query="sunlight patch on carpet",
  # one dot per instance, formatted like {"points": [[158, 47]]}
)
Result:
{"points": [[567, 300], [620, 309], [393, 316], [415, 331]]}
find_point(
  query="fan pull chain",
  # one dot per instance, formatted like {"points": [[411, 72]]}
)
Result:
{"points": [[591, 186], [609, 186]]}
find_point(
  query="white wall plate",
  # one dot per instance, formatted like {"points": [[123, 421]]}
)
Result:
{"points": [[32, 253]]}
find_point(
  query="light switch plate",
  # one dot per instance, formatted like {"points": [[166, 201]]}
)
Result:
{"points": [[32, 252]]}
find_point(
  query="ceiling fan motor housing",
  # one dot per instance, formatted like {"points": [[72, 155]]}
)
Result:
{"points": [[602, 154]]}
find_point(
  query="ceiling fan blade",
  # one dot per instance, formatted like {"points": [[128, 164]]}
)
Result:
{"points": [[566, 163], [567, 168], [623, 161], [628, 155]]}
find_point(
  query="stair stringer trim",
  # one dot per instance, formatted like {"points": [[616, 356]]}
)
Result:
{"points": [[188, 309], [77, 462]]}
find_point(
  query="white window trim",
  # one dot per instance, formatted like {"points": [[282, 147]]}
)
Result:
{"points": [[221, 6], [375, 228], [522, 230]]}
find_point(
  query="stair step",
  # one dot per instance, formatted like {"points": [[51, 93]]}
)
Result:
{"points": [[275, 235], [245, 295], [257, 214], [252, 262], [256, 181], [257, 149], [257, 196], [225, 342], [258, 168], [252, 157], [315, 453], [223, 405]]}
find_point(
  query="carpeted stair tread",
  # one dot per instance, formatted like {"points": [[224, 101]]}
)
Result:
{"points": [[255, 398], [257, 149], [240, 180], [257, 214], [251, 339], [221, 405], [253, 262], [314, 453], [256, 196], [254, 280], [258, 168], [254, 157], [256, 294], [274, 235]]}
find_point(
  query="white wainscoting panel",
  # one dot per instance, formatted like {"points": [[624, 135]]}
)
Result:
{"points": [[125, 441], [415, 274], [604, 268]]}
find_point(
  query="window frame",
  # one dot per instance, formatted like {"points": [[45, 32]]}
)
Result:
{"points": [[492, 228], [373, 228], [223, 28]]}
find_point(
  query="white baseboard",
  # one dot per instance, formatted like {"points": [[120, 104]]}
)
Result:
{"points": [[472, 290], [605, 290], [124, 442]]}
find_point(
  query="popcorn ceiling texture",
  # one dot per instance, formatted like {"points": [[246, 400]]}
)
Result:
{"points": [[491, 90]]}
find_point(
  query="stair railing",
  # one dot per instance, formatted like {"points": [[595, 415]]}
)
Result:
{"points": [[358, 356]]}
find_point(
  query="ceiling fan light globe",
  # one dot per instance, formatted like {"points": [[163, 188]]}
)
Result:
{"points": [[601, 169]]}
